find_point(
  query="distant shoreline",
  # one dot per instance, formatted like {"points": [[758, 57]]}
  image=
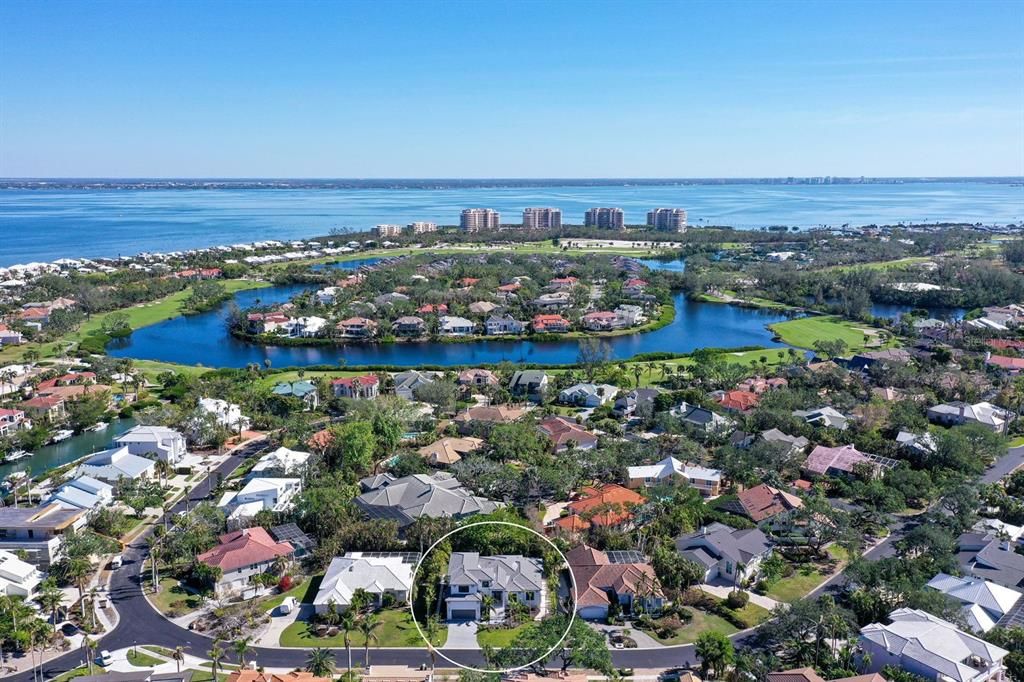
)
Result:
{"points": [[462, 183]]}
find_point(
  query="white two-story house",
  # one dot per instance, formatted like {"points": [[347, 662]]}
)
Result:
{"points": [[504, 578]]}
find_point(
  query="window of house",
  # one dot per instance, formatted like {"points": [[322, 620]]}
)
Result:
{"points": [[529, 596], [463, 588], [485, 583], [728, 567]]}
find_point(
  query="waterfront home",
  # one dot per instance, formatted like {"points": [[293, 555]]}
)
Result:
{"points": [[467, 419], [587, 395], [327, 295], [406, 499], [408, 382], [982, 603], [550, 324], [449, 325], [38, 531], [356, 328], [478, 378], [959, 412], [602, 577], [556, 301], [639, 401], [85, 493], [49, 408], [609, 506], [565, 434], [765, 503], [827, 417], [670, 470], [448, 451], [409, 325], [165, 444], [503, 324], [305, 327], [529, 383], [259, 494], [701, 419], [375, 573], [634, 287], [306, 391], [18, 578], [482, 307], [791, 444], [242, 554], [503, 577], [265, 323], [228, 415], [629, 315], [115, 464], [365, 387], [12, 421], [280, 463], [726, 553], [600, 321], [930, 647], [845, 460]]}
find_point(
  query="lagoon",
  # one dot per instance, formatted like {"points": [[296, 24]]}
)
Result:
{"points": [[59, 454]]}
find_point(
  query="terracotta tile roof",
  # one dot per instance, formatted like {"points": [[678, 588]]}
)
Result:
{"points": [[244, 548], [1005, 362], [257, 676], [365, 380], [1003, 344], [739, 400], [596, 576], [561, 432], [612, 494], [44, 401], [501, 414], [763, 502], [449, 450], [67, 380]]}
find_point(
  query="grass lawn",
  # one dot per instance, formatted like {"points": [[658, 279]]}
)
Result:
{"points": [[142, 659], [275, 378], [796, 586], [704, 621], [79, 672], [174, 595], [1016, 442], [882, 264], [206, 676], [162, 650], [304, 592], [805, 331], [500, 638], [396, 630], [153, 368]]}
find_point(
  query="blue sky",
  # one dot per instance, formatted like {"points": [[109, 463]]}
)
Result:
{"points": [[523, 89]]}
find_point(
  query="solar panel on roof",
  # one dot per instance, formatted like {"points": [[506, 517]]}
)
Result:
{"points": [[629, 556]]}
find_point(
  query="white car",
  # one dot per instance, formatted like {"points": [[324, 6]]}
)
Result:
{"points": [[116, 562], [105, 658]]}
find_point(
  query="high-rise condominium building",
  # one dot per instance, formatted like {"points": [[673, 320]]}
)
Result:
{"points": [[668, 219], [607, 218], [388, 230], [476, 219], [542, 218], [420, 227]]}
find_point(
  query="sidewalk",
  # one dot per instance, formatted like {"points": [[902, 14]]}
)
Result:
{"points": [[721, 591]]}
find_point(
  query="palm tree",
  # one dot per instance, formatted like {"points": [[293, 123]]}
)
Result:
{"points": [[486, 605], [431, 629], [320, 662], [179, 656], [90, 651], [280, 565], [216, 654], [50, 598], [78, 569], [368, 627], [242, 647], [348, 623]]}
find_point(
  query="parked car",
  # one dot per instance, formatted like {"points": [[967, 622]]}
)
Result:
{"points": [[287, 605], [106, 658], [116, 562]]}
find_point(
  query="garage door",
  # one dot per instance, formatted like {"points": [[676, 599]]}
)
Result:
{"points": [[463, 614]]}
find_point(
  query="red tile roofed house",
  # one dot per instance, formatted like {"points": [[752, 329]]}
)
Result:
{"points": [[602, 320], [763, 502], [478, 377], [468, 281], [565, 434], [842, 461], [436, 308], [356, 327], [550, 324], [366, 387], [599, 580], [510, 288], [739, 401], [610, 505], [48, 407], [76, 379], [761, 385], [263, 323], [40, 315], [241, 555], [210, 273], [634, 286], [1004, 344], [559, 283], [1005, 363], [12, 420]]}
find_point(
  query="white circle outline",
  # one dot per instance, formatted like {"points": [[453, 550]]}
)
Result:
{"points": [[547, 654]]}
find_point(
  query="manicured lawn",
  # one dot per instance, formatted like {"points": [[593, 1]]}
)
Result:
{"points": [[304, 592], [396, 630], [142, 659], [153, 368], [704, 621], [163, 651], [805, 331], [206, 676], [883, 264], [796, 586], [174, 595], [1016, 442], [274, 378], [500, 638]]}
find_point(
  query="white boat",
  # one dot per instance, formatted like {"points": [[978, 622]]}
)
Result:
{"points": [[98, 426], [63, 434], [15, 455], [14, 479]]}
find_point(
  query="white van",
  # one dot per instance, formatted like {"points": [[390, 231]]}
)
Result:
{"points": [[116, 562], [287, 605]]}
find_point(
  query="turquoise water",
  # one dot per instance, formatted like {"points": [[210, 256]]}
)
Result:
{"points": [[69, 450], [49, 224]]}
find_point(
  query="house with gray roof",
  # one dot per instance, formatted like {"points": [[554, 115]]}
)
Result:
{"points": [[792, 444], [932, 648], [701, 418], [529, 383], [639, 401], [408, 498], [503, 578], [955, 413], [987, 556], [84, 492], [117, 463], [726, 553], [587, 394], [375, 573], [408, 382], [983, 602], [166, 444], [827, 417]]}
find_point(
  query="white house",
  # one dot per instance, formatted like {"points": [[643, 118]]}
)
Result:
{"points": [[242, 554], [227, 414], [503, 577], [327, 295], [18, 578], [258, 494], [306, 327], [117, 463], [378, 574], [503, 324], [166, 444], [588, 395], [630, 315], [450, 325], [932, 648], [281, 462], [724, 552], [984, 602], [84, 492]]}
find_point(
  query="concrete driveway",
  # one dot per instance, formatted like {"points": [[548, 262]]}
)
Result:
{"points": [[462, 635]]}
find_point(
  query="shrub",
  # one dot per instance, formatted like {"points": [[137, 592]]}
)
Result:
{"points": [[737, 599], [285, 583]]}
